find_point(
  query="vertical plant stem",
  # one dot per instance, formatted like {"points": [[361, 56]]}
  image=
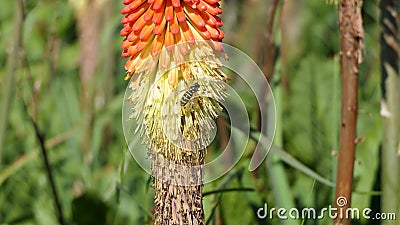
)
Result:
{"points": [[335, 117], [351, 34], [223, 134], [269, 55], [276, 172], [40, 136], [108, 68], [41, 139], [88, 19], [390, 107], [178, 189], [268, 64], [43, 149], [13, 59], [288, 51], [269, 45], [109, 58]]}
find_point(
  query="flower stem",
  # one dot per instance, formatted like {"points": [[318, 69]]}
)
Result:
{"points": [[41, 139], [178, 200], [351, 34]]}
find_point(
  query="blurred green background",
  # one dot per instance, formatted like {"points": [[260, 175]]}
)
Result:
{"points": [[70, 75]]}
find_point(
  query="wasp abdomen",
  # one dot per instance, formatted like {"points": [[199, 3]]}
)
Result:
{"points": [[189, 94]]}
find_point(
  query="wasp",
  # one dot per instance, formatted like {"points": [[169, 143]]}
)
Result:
{"points": [[189, 94]]}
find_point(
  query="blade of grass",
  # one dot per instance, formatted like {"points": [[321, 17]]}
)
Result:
{"points": [[227, 190], [218, 197], [277, 174], [11, 68], [309, 200], [286, 157], [40, 135], [123, 167], [24, 159], [390, 147], [390, 108], [290, 160]]}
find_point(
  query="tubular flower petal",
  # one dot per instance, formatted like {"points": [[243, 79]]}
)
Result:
{"points": [[141, 17]]}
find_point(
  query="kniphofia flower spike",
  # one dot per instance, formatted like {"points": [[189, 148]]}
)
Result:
{"points": [[167, 43], [173, 49]]}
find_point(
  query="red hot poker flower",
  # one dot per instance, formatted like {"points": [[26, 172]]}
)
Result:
{"points": [[150, 25]]}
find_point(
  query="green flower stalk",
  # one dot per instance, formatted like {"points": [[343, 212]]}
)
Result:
{"points": [[173, 49]]}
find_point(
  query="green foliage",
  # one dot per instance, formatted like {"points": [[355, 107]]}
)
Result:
{"points": [[107, 186], [89, 209]]}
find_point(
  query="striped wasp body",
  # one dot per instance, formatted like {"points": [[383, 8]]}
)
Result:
{"points": [[189, 94]]}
